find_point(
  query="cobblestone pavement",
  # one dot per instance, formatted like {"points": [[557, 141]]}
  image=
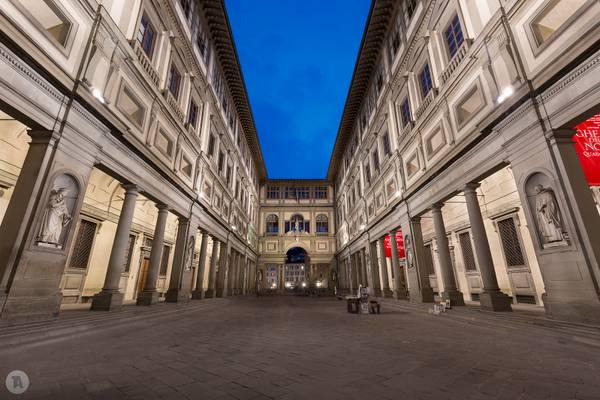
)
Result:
{"points": [[302, 348]]}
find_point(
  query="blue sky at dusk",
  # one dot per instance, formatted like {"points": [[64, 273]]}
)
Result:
{"points": [[297, 57]]}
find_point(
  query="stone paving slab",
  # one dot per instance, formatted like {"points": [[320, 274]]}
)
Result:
{"points": [[304, 348]]}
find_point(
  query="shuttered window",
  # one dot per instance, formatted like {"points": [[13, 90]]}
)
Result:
{"points": [[83, 245], [164, 262], [467, 251], [129, 253], [429, 260], [510, 243]]}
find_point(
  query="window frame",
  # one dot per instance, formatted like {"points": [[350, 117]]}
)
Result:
{"points": [[450, 26], [425, 68], [57, 8]]}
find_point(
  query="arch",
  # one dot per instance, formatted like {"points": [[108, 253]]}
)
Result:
{"points": [[296, 254]]}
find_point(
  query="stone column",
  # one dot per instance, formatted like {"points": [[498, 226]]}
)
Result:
{"points": [[149, 295], [350, 274], [110, 298], [212, 274], [383, 268], [368, 272], [222, 275], [421, 292], [443, 251], [399, 289], [373, 269], [199, 292], [491, 298], [182, 259], [281, 277]]}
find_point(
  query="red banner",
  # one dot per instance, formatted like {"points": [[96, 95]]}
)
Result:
{"points": [[587, 145], [399, 245]]}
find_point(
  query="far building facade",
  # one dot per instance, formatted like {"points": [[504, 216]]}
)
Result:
{"points": [[466, 165]]}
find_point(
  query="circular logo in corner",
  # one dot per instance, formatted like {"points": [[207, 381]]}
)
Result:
{"points": [[17, 382]]}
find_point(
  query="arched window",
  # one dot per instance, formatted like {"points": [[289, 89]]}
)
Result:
{"points": [[272, 224], [322, 223]]}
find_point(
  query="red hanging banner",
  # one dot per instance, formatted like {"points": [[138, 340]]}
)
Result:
{"points": [[587, 145], [399, 245]]}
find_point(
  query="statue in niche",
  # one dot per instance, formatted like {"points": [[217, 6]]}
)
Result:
{"points": [[297, 226], [56, 217], [189, 256], [548, 216]]}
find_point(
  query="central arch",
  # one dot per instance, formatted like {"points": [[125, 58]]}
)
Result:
{"points": [[296, 269]]}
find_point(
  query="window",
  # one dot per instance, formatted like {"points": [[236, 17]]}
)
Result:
{"points": [[129, 253], [186, 6], [368, 173], [83, 245], [130, 106], [454, 36], [164, 261], [322, 223], [467, 251], [174, 81], [425, 78], [146, 36], [297, 224], [272, 224], [228, 174], [272, 192], [429, 260], [510, 243], [211, 145], [290, 193], [411, 6], [50, 18], [405, 112], [375, 155], [553, 18], [320, 192], [193, 113], [221, 161], [387, 148], [303, 192]]}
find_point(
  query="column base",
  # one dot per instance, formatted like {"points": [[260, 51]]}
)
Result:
{"points": [[221, 293], [147, 298], [387, 294], [107, 300], [377, 293], [455, 296], [176, 296], [198, 294], [210, 293], [495, 301], [424, 295], [399, 295]]}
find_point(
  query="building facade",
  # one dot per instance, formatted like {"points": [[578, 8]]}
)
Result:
{"points": [[297, 235], [130, 167], [457, 141]]}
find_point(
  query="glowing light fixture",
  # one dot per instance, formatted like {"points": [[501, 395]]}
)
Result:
{"points": [[98, 95], [506, 93]]}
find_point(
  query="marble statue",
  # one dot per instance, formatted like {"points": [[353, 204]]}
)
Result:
{"points": [[548, 215], [56, 217]]}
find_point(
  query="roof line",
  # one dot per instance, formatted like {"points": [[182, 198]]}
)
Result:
{"points": [[348, 115]]}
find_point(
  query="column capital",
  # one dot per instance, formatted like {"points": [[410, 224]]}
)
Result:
{"points": [[437, 207], [415, 220], [42, 135], [130, 188], [561, 135], [183, 221], [471, 187], [162, 207]]}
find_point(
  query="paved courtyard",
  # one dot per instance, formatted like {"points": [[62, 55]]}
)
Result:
{"points": [[300, 348]]}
